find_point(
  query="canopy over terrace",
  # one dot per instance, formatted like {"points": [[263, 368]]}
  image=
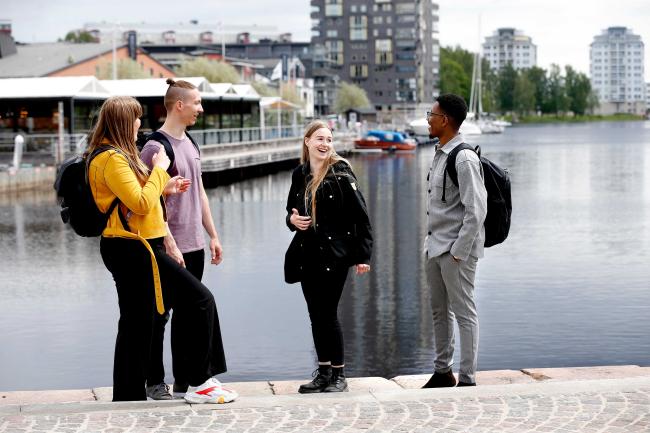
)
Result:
{"points": [[225, 105], [31, 104], [277, 105]]}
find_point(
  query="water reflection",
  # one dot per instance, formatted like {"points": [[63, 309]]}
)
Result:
{"points": [[568, 288]]}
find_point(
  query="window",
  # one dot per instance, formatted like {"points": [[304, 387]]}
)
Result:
{"points": [[405, 8], [335, 51], [405, 68], [332, 33], [377, 19], [359, 71], [359, 28], [334, 8], [405, 33], [406, 18], [383, 51]]}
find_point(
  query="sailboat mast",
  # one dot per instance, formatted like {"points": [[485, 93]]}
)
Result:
{"points": [[472, 94]]}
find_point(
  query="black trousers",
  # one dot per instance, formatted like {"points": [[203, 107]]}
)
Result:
{"points": [[322, 291], [202, 351], [194, 263]]}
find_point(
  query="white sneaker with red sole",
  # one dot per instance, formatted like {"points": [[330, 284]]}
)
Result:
{"points": [[211, 391]]}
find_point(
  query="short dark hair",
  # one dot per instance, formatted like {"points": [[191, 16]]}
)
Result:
{"points": [[454, 107]]}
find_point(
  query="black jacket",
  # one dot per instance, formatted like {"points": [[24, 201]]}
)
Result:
{"points": [[342, 236]]}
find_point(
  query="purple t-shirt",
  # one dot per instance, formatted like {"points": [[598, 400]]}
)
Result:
{"points": [[183, 210]]}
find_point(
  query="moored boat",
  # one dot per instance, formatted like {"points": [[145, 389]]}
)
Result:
{"points": [[385, 140]]}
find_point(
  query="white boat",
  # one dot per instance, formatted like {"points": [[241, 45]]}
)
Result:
{"points": [[470, 127], [490, 127], [420, 127]]}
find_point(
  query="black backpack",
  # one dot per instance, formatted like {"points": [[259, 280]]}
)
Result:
{"points": [[162, 139], [78, 207], [497, 185]]}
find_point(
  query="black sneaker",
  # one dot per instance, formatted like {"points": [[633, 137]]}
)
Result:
{"points": [[159, 392], [337, 382], [322, 376], [441, 380], [461, 383]]}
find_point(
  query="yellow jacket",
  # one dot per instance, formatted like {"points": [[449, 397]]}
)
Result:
{"points": [[110, 176]]}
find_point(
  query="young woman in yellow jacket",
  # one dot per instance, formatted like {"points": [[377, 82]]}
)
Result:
{"points": [[148, 281]]}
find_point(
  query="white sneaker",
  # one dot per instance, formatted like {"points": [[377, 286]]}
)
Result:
{"points": [[211, 391]]}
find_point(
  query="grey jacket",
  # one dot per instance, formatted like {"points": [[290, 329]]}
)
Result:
{"points": [[456, 226]]}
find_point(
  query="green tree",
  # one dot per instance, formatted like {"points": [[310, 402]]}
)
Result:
{"points": [[523, 94], [578, 90], [557, 100], [289, 93], [214, 71], [126, 68], [537, 77], [453, 78], [592, 102], [263, 89], [506, 88], [456, 71], [350, 96], [79, 37]]}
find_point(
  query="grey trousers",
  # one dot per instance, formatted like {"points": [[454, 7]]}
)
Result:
{"points": [[452, 295]]}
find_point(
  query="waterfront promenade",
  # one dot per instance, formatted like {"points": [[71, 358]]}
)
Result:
{"points": [[594, 399]]}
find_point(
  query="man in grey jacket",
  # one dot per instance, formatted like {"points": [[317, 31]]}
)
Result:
{"points": [[454, 243]]}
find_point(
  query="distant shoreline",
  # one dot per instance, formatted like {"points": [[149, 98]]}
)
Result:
{"points": [[575, 119]]}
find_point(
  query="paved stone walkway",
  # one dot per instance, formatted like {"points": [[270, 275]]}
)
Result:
{"points": [[609, 405]]}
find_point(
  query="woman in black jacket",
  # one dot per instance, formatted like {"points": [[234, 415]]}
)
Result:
{"points": [[333, 233]]}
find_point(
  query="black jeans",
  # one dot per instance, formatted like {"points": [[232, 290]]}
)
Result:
{"points": [[322, 291], [202, 349], [194, 263]]}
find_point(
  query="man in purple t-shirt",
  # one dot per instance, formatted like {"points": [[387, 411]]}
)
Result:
{"points": [[188, 215]]}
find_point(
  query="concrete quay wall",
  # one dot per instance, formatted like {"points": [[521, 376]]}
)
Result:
{"points": [[490, 382]]}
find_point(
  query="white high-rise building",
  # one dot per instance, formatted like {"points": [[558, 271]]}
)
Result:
{"points": [[617, 71], [508, 45], [647, 97]]}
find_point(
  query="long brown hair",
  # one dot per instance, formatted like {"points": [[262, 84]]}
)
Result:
{"points": [[115, 128], [317, 178]]}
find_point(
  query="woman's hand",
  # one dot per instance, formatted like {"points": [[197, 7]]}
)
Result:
{"points": [[161, 159], [362, 268], [177, 185], [301, 222]]}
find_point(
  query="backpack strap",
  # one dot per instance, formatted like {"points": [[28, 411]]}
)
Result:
{"points": [[117, 201], [450, 167], [160, 138]]}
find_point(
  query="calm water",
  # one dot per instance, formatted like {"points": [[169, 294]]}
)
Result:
{"points": [[568, 288]]}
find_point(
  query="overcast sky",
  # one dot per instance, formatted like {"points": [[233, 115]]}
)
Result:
{"points": [[561, 29]]}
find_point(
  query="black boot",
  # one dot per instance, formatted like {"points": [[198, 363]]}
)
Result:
{"points": [[441, 380], [338, 382], [321, 380]]}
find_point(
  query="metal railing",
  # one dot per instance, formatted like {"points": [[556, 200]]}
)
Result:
{"points": [[42, 148], [239, 135], [44, 143]]}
